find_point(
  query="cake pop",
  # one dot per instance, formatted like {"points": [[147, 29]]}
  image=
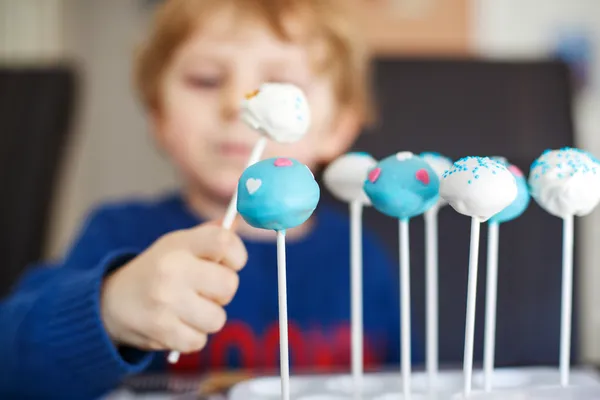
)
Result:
{"points": [[439, 164], [480, 188], [403, 186], [514, 210], [344, 178], [278, 111], [278, 194], [566, 183]]}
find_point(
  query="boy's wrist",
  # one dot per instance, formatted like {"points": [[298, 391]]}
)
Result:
{"points": [[108, 296]]}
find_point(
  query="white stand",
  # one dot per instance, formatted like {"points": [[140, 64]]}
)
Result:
{"points": [[356, 282], [489, 343], [567, 299], [231, 212], [283, 321], [431, 293], [405, 308], [518, 383], [471, 302]]}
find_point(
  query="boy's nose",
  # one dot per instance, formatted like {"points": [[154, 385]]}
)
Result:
{"points": [[232, 100], [230, 109]]}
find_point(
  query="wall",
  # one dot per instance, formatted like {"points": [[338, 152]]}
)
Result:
{"points": [[112, 155], [417, 26], [30, 30], [529, 28]]}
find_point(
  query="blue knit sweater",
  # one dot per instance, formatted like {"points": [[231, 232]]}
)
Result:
{"points": [[52, 340]]}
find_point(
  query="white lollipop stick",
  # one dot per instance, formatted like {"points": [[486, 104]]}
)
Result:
{"points": [[431, 290], [356, 266], [471, 301], [231, 212], [283, 322], [489, 343], [567, 299], [405, 307], [255, 156]]}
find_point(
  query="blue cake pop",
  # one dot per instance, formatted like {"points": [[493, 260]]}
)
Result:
{"points": [[402, 186], [277, 194], [520, 204]]}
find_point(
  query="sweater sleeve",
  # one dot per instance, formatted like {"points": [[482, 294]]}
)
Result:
{"points": [[52, 340]]}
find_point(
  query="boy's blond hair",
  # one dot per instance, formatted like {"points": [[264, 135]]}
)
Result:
{"points": [[330, 22]]}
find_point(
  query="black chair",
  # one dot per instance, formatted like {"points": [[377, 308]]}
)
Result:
{"points": [[36, 105], [467, 107]]}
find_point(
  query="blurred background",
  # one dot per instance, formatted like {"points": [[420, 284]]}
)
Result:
{"points": [[103, 149]]}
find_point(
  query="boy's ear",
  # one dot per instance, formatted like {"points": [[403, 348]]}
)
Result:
{"points": [[344, 130]]}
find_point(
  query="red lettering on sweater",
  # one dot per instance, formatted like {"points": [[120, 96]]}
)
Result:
{"points": [[315, 349]]}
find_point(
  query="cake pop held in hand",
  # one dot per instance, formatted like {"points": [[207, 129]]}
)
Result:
{"points": [[565, 182], [279, 110], [402, 186], [521, 202], [277, 194], [345, 177], [478, 187]]}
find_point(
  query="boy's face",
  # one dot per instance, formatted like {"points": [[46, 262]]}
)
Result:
{"points": [[199, 125]]}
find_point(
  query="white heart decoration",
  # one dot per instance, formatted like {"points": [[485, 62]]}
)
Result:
{"points": [[253, 185]]}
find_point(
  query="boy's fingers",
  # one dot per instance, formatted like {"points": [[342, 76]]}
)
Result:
{"points": [[211, 280], [201, 313], [185, 338], [219, 245]]}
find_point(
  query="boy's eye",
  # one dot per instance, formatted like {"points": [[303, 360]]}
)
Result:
{"points": [[204, 82]]}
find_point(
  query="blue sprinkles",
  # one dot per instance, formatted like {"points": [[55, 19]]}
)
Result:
{"points": [[482, 162], [577, 161]]}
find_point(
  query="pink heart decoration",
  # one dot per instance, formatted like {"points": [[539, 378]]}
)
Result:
{"points": [[515, 171], [374, 174], [283, 162], [422, 176]]}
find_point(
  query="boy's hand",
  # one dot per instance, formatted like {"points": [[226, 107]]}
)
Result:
{"points": [[172, 295]]}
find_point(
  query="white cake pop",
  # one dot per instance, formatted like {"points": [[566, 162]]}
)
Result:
{"points": [[345, 177], [478, 187], [279, 110], [565, 182]]}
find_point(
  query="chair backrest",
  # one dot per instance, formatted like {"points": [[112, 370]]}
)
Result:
{"points": [[467, 107], [36, 105]]}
